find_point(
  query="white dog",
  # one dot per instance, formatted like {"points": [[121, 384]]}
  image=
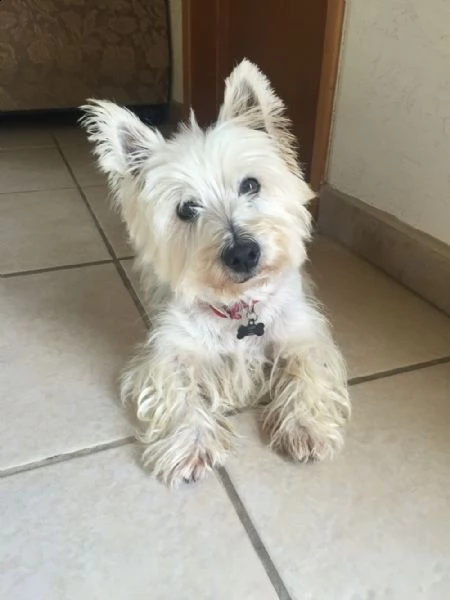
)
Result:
{"points": [[219, 223]]}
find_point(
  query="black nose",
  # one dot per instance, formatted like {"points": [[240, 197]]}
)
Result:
{"points": [[242, 256]]}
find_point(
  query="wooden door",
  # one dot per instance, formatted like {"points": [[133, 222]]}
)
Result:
{"points": [[285, 38], [295, 42]]}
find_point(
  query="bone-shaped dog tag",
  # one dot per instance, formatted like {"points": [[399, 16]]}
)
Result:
{"points": [[252, 328]]}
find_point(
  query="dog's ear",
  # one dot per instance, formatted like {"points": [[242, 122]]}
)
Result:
{"points": [[250, 98], [251, 101], [122, 142]]}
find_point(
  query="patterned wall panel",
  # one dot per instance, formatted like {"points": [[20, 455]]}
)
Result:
{"points": [[57, 53]]}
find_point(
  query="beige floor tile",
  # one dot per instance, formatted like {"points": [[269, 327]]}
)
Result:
{"points": [[375, 522], [71, 135], [46, 229], [24, 170], [98, 527], [379, 324], [65, 337], [109, 219], [22, 136], [83, 165]]}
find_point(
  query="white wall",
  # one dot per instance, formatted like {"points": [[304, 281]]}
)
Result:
{"points": [[177, 50], [391, 136]]}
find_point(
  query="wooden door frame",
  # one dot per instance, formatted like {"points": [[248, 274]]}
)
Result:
{"points": [[328, 79], [204, 69]]}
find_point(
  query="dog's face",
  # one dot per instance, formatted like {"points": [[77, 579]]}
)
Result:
{"points": [[218, 212]]}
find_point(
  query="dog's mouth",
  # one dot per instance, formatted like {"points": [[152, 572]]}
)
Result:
{"points": [[241, 278]]}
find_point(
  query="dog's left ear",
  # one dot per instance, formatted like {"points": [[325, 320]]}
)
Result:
{"points": [[122, 141], [250, 98]]}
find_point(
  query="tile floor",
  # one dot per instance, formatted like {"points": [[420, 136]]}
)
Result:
{"points": [[78, 516]]}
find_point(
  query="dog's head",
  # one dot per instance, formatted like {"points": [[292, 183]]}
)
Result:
{"points": [[216, 212]]}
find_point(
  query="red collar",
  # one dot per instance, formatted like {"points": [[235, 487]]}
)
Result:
{"points": [[233, 311]]}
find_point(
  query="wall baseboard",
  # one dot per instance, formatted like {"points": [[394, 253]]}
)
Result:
{"points": [[413, 258]]}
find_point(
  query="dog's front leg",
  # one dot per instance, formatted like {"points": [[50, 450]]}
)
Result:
{"points": [[309, 400], [183, 431]]}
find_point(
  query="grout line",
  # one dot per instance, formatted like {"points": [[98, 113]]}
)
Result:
{"points": [[19, 192], [93, 263], [253, 535], [26, 147], [399, 370], [59, 458], [129, 286], [120, 270]]}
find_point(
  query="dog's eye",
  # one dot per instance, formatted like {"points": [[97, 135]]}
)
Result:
{"points": [[250, 186], [187, 211]]}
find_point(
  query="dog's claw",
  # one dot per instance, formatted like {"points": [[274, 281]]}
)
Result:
{"points": [[191, 470]]}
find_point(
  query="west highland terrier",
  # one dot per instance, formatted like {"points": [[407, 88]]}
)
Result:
{"points": [[219, 222]]}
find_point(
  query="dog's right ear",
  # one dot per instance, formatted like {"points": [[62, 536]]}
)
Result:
{"points": [[251, 101], [122, 142], [250, 98]]}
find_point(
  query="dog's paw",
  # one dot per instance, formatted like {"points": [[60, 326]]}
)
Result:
{"points": [[186, 455], [173, 469], [304, 444]]}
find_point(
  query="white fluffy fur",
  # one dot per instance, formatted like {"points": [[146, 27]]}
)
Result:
{"points": [[193, 369]]}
